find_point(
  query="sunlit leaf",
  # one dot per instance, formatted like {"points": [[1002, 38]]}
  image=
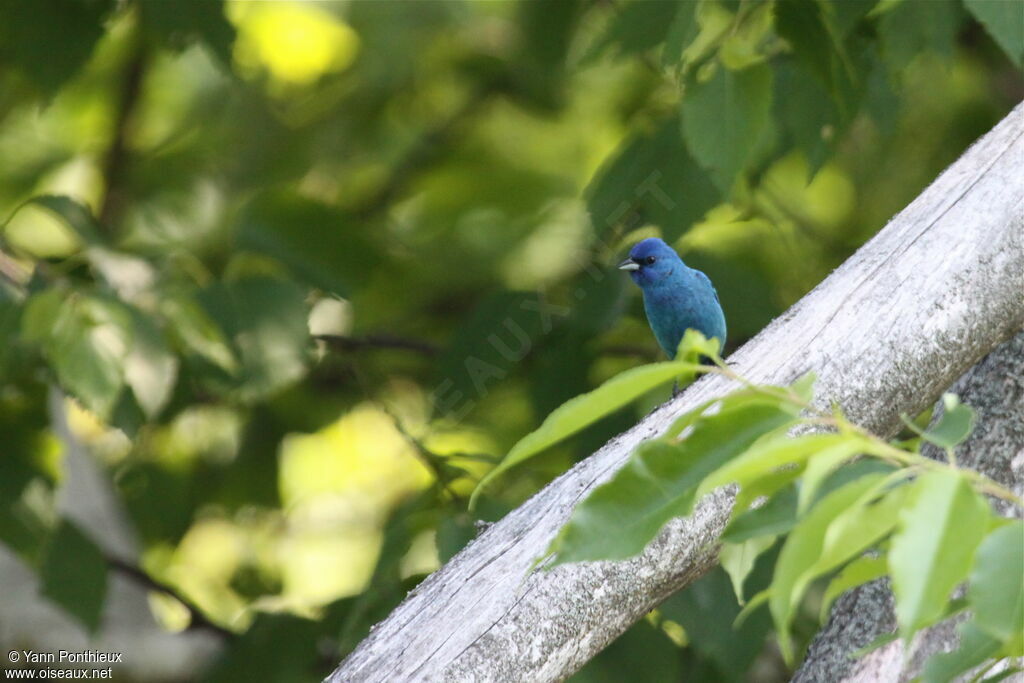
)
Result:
{"points": [[583, 410], [858, 528], [996, 590], [658, 483], [85, 339], [776, 516], [821, 465], [933, 548], [77, 216], [768, 454], [802, 548], [694, 346]]}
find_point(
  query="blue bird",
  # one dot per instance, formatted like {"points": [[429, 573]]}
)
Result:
{"points": [[676, 297]]}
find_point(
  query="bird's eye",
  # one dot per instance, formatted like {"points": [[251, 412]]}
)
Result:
{"points": [[650, 260]]}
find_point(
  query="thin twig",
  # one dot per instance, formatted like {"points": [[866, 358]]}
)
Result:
{"points": [[433, 461], [389, 342], [377, 341], [196, 616]]}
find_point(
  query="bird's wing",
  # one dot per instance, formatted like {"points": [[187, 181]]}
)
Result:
{"points": [[706, 280]]}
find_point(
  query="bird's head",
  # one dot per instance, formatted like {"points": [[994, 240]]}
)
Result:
{"points": [[651, 261]]}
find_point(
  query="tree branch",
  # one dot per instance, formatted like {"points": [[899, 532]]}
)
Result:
{"points": [[887, 332], [117, 154], [197, 618], [377, 341]]}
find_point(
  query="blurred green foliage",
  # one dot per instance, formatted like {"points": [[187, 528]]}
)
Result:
{"points": [[306, 270]]}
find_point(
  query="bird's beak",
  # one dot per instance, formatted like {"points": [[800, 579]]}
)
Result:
{"points": [[629, 264]]}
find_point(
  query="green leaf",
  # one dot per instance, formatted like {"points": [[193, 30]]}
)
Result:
{"points": [[738, 559], [454, 533], [645, 650], [846, 15], [752, 605], [723, 119], [694, 346], [10, 318], [29, 32], [640, 25], [658, 483], [934, 546], [805, 113], [916, 26], [196, 332], [954, 426], [276, 648], [707, 610], [318, 243], [865, 568], [584, 410], [681, 32], [821, 465], [76, 215], [802, 23], [74, 574], [777, 516], [266, 321], [150, 369], [857, 528], [85, 339], [647, 181], [1004, 21], [975, 647], [503, 329], [801, 551], [179, 22], [770, 453], [996, 590]]}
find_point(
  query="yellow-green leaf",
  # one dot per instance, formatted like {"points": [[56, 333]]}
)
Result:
{"points": [[577, 413], [801, 551], [657, 483], [934, 546]]}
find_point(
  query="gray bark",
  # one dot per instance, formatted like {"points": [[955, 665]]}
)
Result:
{"points": [[904, 317], [995, 388]]}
